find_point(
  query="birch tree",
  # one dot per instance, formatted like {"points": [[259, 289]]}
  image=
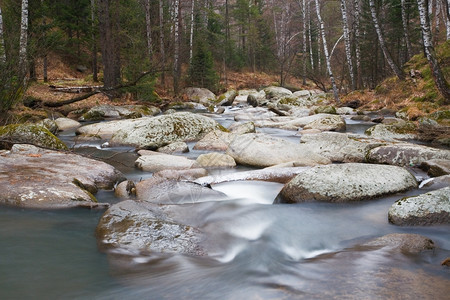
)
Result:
{"points": [[383, 47], [2, 41], [348, 50], [176, 70], [308, 17], [325, 50], [438, 76], [191, 34], [23, 39], [358, 42]]}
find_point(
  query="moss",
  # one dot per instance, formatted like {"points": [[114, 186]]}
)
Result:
{"points": [[31, 134], [223, 129], [289, 101], [326, 110], [85, 189], [94, 116]]}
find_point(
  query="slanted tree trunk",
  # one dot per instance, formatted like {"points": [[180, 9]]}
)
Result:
{"points": [[2, 41], [176, 70], [109, 42], [348, 51], [161, 42], [94, 44], [325, 50], [358, 43], [23, 61], [438, 76], [148, 29], [397, 71], [406, 30]]}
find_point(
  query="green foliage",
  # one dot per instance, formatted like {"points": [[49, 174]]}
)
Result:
{"points": [[201, 71]]}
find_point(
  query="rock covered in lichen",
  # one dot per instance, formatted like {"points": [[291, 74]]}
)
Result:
{"points": [[30, 134], [426, 209]]}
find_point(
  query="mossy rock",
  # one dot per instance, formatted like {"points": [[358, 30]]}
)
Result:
{"points": [[328, 109], [289, 101], [29, 134], [93, 115], [441, 116]]}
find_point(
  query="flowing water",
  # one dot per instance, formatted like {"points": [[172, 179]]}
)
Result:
{"points": [[258, 251]]}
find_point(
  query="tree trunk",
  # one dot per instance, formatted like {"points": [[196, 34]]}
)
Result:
{"points": [[311, 54], [2, 41], [406, 30], [397, 71], [348, 51], [438, 76], [325, 50], [23, 39], [161, 42], [176, 70], [358, 44], [447, 17], [304, 40], [148, 30], [109, 43], [191, 36], [94, 44]]}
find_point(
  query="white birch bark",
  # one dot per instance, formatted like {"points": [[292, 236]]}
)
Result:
{"points": [[357, 42], [191, 36], [447, 17], [348, 51], [311, 54], [148, 29], [2, 41], [383, 47], [406, 30], [176, 70], [23, 38], [161, 41], [325, 50]]}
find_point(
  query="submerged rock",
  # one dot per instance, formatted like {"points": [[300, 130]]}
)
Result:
{"points": [[29, 134], [346, 182], [37, 178], [406, 154], [143, 227], [261, 150], [426, 209], [404, 242]]}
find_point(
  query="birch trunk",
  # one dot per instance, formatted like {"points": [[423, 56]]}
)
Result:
{"points": [[348, 51], [23, 39], [161, 42], [304, 40], [357, 43], [438, 76], [447, 17], [176, 71], [406, 30], [311, 54], [191, 36], [383, 47], [94, 44], [148, 30], [325, 50], [2, 41]]}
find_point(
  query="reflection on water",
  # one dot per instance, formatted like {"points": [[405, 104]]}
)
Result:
{"points": [[257, 251]]}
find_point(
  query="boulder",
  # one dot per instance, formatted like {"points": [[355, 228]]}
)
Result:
{"points": [[405, 154], [177, 147], [179, 175], [329, 123], [227, 98], [254, 114], [33, 177], [242, 128], [302, 94], [29, 134], [154, 161], [216, 140], [327, 109], [252, 100], [261, 150], [345, 111], [49, 124], [426, 209], [162, 130], [345, 183], [66, 124], [215, 160], [199, 95], [399, 130], [105, 130], [143, 227], [436, 167], [404, 242], [159, 190], [276, 92], [339, 147], [291, 123], [436, 182], [111, 111], [125, 189]]}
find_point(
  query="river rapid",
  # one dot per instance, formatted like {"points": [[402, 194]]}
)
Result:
{"points": [[257, 250]]}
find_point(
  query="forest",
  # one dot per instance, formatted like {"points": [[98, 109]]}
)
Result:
{"points": [[338, 46]]}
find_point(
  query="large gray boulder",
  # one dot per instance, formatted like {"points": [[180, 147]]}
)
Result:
{"points": [[261, 150], [216, 140], [150, 161], [200, 95], [162, 130], [329, 123], [227, 98], [398, 130], [66, 124], [112, 111], [144, 227], [29, 134], [426, 209], [345, 183], [37, 178], [406, 154], [215, 160], [276, 92], [339, 147], [291, 123]]}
